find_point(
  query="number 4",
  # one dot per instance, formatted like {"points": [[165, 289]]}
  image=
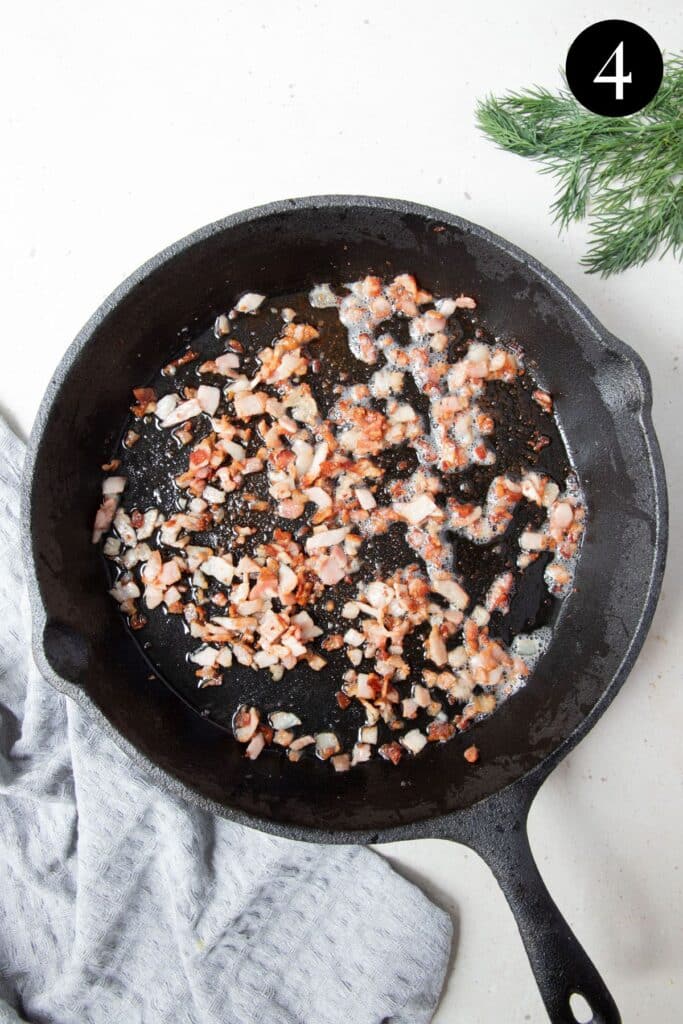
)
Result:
{"points": [[618, 79]]}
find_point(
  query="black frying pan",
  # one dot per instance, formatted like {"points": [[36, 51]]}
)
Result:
{"points": [[603, 399]]}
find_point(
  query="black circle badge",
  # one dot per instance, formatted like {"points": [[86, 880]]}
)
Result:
{"points": [[614, 68]]}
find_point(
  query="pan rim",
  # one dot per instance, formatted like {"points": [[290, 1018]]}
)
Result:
{"points": [[428, 827]]}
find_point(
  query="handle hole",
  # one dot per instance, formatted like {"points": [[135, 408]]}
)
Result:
{"points": [[581, 1008]]}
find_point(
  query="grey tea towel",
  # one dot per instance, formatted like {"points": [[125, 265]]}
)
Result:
{"points": [[121, 904]]}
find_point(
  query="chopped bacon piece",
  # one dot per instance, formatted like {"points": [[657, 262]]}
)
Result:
{"points": [[440, 731], [170, 368], [145, 401], [391, 752], [543, 399]]}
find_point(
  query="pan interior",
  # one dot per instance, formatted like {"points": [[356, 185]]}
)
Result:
{"points": [[156, 459], [598, 400]]}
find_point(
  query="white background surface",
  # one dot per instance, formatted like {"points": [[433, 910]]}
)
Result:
{"points": [[123, 129]]}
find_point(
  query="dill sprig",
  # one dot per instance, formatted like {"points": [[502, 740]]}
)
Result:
{"points": [[624, 173]]}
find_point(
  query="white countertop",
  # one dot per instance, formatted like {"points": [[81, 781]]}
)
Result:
{"points": [[123, 129]]}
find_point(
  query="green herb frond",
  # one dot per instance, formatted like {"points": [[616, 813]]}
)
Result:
{"points": [[624, 173]]}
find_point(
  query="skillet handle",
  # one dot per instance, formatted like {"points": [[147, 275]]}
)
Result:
{"points": [[498, 833]]}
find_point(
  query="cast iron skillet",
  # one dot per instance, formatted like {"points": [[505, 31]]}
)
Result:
{"points": [[603, 400]]}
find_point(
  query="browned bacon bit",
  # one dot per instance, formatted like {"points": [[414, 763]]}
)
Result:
{"points": [[183, 434], [326, 745], [544, 400], [170, 368], [245, 723], [440, 731], [256, 504], [391, 752], [498, 597], [254, 594], [221, 326], [471, 755], [104, 517], [267, 732], [145, 401], [538, 442]]}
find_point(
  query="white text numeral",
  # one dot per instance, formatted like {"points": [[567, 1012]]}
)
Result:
{"points": [[618, 79]]}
